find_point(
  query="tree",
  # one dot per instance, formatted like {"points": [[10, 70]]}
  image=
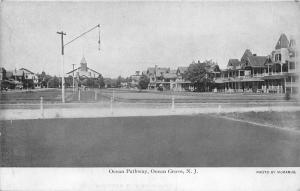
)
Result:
{"points": [[28, 84], [119, 80], [69, 81], [101, 81], [54, 82], [200, 75], [43, 79], [108, 82], [143, 82]]}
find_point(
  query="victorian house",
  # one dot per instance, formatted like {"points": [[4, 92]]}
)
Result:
{"points": [[275, 73]]}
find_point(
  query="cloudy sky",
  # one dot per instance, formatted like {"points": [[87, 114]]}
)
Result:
{"points": [[137, 35]]}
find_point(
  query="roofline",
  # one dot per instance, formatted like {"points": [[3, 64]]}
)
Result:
{"points": [[27, 70], [93, 70], [73, 70]]}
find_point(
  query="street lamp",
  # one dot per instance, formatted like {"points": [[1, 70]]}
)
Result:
{"points": [[62, 56]]}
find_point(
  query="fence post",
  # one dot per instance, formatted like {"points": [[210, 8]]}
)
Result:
{"points": [[42, 107], [111, 105], [173, 103], [96, 95], [79, 95]]}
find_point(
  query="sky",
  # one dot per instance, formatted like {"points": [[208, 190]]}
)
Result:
{"points": [[138, 35]]}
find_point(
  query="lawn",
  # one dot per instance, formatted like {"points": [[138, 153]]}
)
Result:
{"points": [[288, 120], [199, 141], [166, 96], [133, 96], [49, 96], [31, 96]]}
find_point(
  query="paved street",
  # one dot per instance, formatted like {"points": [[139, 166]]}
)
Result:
{"points": [[200, 140]]}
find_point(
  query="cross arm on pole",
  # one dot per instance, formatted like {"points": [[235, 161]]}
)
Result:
{"points": [[62, 41]]}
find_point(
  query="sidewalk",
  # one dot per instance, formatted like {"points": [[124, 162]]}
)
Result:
{"points": [[15, 114]]}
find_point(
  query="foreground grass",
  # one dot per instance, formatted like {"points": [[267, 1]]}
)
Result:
{"points": [[287, 120], [199, 140]]}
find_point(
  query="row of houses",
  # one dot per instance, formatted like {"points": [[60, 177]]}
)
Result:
{"points": [[18, 79], [172, 79], [24, 78], [274, 73], [163, 79]]}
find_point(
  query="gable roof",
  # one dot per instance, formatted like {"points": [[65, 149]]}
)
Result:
{"points": [[80, 67], [162, 71], [28, 71], [259, 61], [93, 71], [18, 72], [253, 61], [74, 70], [282, 42], [234, 63]]}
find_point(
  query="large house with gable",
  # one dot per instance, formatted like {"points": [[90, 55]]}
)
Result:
{"points": [[168, 79], [275, 73]]}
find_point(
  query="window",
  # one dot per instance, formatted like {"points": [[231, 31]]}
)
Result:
{"points": [[277, 57], [292, 65]]}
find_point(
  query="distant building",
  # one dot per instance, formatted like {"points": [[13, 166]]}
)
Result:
{"points": [[29, 75], [2, 73], [167, 79], [180, 83], [18, 75], [156, 76], [83, 71], [134, 79]]}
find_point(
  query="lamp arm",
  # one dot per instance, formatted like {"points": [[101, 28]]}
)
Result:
{"points": [[82, 35]]}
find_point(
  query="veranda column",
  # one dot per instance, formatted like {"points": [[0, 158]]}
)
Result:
{"points": [[291, 84], [284, 85]]}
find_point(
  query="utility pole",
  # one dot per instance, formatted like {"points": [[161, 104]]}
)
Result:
{"points": [[62, 56], [73, 78], [62, 67]]}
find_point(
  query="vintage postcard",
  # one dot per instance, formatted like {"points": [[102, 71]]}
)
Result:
{"points": [[149, 95]]}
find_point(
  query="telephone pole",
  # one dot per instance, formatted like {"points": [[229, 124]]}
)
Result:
{"points": [[62, 56], [62, 67]]}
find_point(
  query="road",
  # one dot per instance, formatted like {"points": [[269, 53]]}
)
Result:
{"points": [[163, 141]]}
